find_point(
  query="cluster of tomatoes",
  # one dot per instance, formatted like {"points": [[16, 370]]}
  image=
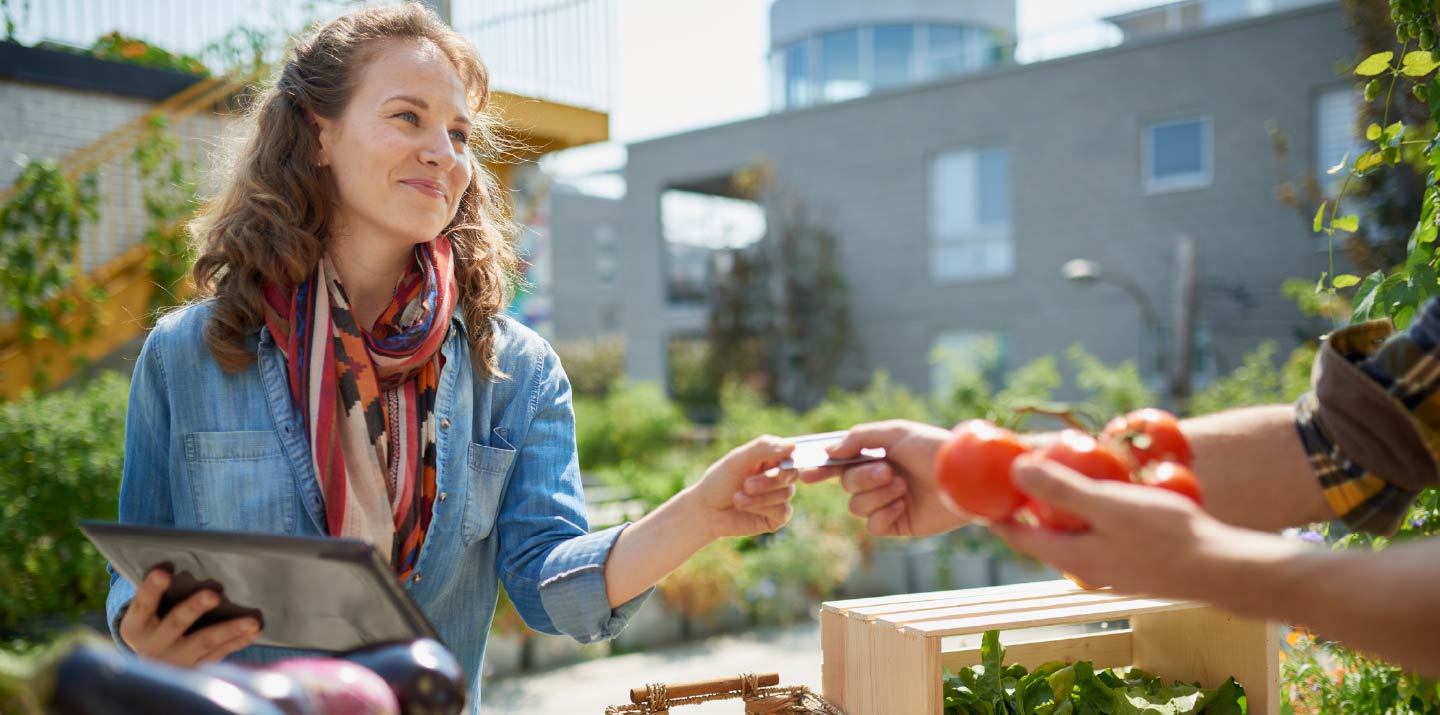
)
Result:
{"points": [[1144, 446]]}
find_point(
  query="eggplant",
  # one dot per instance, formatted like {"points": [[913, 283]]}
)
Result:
{"points": [[91, 680], [425, 677], [338, 687], [283, 691]]}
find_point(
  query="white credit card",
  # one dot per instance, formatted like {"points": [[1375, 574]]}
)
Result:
{"points": [[810, 452]]}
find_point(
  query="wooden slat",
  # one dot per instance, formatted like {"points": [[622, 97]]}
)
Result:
{"points": [[1105, 650], [1080, 598], [1007, 592], [905, 675], [832, 655], [1088, 613], [1207, 645]]}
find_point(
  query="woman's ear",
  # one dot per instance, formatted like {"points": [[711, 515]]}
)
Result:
{"points": [[323, 129]]}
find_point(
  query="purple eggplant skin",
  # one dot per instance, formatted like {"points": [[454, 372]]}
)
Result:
{"points": [[426, 678], [98, 681], [280, 689]]}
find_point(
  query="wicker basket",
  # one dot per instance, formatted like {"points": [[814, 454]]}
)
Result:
{"points": [[762, 694]]}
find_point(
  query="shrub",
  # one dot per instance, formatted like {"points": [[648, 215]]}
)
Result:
{"points": [[632, 424], [60, 462], [594, 367]]}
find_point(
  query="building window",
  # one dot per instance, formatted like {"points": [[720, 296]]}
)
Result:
{"points": [[1336, 135], [894, 52], [962, 358], [797, 75], [1176, 154], [970, 225], [947, 50], [840, 66], [607, 262]]}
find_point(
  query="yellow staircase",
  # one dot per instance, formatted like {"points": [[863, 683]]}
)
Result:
{"points": [[535, 126]]}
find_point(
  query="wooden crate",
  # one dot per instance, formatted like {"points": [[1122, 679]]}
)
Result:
{"points": [[887, 655]]}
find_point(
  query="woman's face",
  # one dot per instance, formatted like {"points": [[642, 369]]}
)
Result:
{"points": [[398, 151]]}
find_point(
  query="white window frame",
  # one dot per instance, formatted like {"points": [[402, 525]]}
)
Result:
{"points": [[977, 235], [1357, 142], [1181, 182]]}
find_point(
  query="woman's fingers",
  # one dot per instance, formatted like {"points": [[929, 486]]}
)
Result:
{"points": [[768, 482], [139, 617], [757, 502], [217, 641], [172, 628], [776, 516]]}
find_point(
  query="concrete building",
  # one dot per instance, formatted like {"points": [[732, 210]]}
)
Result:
{"points": [[957, 200]]}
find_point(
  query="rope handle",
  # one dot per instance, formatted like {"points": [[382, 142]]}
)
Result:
{"points": [[655, 694]]}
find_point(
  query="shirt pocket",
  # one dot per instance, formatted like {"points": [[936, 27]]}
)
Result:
{"points": [[240, 481], [487, 469]]}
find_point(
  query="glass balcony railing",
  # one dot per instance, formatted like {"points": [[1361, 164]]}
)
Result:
{"points": [[556, 50]]}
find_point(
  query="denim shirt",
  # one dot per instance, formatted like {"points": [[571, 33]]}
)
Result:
{"points": [[206, 449]]}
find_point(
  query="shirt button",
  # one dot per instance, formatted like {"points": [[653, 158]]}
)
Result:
{"points": [[417, 578], [445, 423], [443, 496]]}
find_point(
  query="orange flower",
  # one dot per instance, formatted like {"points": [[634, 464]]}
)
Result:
{"points": [[1295, 635], [132, 49]]}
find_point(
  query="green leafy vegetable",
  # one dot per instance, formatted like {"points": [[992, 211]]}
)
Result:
{"points": [[992, 688]]}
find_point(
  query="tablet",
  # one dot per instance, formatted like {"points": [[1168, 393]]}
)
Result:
{"points": [[312, 593]]}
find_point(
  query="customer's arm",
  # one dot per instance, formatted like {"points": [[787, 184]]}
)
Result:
{"points": [[1252, 469], [1150, 541]]}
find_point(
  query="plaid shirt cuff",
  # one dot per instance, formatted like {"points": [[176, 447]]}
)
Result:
{"points": [[1371, 424]]}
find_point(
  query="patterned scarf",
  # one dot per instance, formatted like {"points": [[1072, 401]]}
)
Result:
{"points": [[368, 398]]}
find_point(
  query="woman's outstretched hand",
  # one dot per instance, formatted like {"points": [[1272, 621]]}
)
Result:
{"points": [[745, 492]]}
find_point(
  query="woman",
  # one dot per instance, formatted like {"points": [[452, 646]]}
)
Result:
{"points": [[350, 372]]}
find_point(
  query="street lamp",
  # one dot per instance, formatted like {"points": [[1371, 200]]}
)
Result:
{"points": [[1084, 272]]}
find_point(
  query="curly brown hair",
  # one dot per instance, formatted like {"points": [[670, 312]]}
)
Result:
{"points": [[269, 221]]}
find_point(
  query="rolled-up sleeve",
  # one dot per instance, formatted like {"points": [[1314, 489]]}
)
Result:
{"points": [[1371, 422], [552, 566]]}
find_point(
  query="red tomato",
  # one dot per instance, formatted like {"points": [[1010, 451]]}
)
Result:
{"points": [[1082, 453], [1174, 476], [1150, 435], [973, 469]]}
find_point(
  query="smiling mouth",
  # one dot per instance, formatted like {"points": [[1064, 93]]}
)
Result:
{"points": [[426, 188]]}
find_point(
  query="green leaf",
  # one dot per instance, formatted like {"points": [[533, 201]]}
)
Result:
{"points": [[1346, 223], [1372, 132], [1391, 133], [1346, 280], [1374, 64], [1418, 64], [1320, 217], [1367, 161], [1363, 307]]}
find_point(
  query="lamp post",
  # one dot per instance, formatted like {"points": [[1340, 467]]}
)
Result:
{"points": [[1172, 362], [1085, 272]]}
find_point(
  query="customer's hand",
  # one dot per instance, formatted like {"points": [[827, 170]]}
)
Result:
{"points": [[164, 639], [1141, 539], [897, 496]]}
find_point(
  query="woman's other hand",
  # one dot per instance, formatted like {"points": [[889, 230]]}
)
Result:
{"points": [[164, 639]]}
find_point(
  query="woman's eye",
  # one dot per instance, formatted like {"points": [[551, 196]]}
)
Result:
{"points": [[459, 135], [410, 117]]}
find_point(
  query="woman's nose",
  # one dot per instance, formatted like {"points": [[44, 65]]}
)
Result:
{"points": [[437, 150]]}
